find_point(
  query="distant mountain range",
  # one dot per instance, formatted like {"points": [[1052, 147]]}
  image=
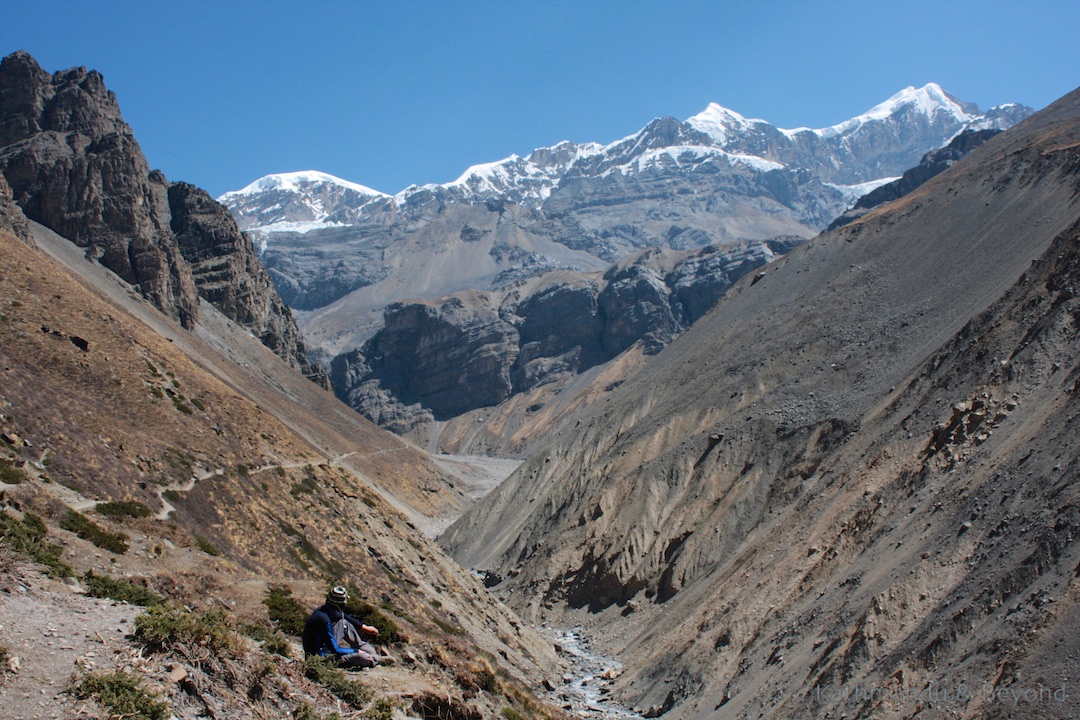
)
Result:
{"points": [[714, 178], [341, 253], [880, 143]]}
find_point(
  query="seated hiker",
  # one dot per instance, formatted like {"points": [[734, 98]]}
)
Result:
{"points": [[330, 631]]}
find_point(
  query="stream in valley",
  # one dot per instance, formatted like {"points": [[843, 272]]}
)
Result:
{"points": [[585, 685]]}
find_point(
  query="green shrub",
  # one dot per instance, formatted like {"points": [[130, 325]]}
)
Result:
{"points": [[511, 714], [284, 610], [103, 586], [164, 627], [11, 475], [279, 646], [486, 680], [28, 537], [199, 404], [324, 670], [273, 642], [178, 459], [305, 554], [306, 711], [447, 627], [123, 509], [123, 695], [301, 488], [307, 484], [179, 404], [381, 709], [206, 546], [87, 529]]}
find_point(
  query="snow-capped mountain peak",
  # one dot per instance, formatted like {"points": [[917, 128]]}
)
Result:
{"points": [[722, 124], [298, 201], [295, 181], [527, 180], [929, 100]]}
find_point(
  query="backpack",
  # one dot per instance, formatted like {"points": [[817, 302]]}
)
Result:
{"points": [[346, 634]]}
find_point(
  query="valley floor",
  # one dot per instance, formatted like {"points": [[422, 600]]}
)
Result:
{"points": [[477, 474]]}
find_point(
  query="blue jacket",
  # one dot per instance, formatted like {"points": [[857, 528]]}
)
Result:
{"points": [[319, 632]]}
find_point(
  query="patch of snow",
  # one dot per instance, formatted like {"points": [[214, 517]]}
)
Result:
{"points": [[681, 155], [854, 192], [580, 151], [755, 162], [294, 227], [792, 132], [498, 175]]}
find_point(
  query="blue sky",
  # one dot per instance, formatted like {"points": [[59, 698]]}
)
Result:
{"points": [[392, 93]]}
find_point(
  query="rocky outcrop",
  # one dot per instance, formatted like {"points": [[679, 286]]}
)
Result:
{"points": [[560, 332], [228, 274], [701, 279], [11, 215], [932, 163], [74, 166], [635, 305], [447, 357], [439, 360]]}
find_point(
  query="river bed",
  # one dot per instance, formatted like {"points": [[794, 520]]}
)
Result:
{"points": [[586, 684]]}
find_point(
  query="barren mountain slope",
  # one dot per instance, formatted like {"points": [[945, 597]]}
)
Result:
{"points": [[104, 398], [838, 478], [234, 356]]}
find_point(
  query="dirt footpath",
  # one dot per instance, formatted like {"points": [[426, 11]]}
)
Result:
{"points": [[52, 634]]}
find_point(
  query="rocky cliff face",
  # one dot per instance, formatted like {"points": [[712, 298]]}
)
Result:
{"points": [[857, 471], [74, 166], [11, 215], [440, 359], [228, 275]]}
